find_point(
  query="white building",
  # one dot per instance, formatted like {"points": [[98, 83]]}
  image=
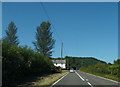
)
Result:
{"points": [[58, 63]]}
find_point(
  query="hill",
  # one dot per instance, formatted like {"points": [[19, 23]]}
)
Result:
{"points": [[77, 62]]}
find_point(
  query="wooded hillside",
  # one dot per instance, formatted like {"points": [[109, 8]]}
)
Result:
{"points": [[77, 62]]}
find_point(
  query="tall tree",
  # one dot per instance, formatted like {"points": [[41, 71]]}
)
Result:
{"points": [[11, 34], [44, 41]]}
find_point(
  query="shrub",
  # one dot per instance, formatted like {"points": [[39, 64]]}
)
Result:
{"points": [[12, 62], [22, 61], [113, 69]]}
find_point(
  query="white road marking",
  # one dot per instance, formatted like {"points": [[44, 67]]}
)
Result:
{"points": [[58, 80], [89, 84], [101, 77], [86, 79], [79, 76]]}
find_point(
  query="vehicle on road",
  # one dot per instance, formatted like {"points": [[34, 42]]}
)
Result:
{"points": [[72, 70]]}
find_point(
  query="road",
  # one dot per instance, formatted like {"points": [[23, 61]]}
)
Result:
{"points": [[81, 79]]}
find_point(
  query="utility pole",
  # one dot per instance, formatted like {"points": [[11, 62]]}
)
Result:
{"points": [[61, 52]]}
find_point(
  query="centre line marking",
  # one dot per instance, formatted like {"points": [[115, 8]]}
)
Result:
{"points": [[89, 84], [79, 76]]}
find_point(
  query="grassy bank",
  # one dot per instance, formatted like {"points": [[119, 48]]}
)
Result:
{"points": [[45, 80], [108, 76]]}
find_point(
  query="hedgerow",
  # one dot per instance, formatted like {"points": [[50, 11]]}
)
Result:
{"points": [[19, 62]]}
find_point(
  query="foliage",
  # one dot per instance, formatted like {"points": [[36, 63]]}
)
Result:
{"points": [[44, 41], [117, 61], [21, 61], [12, 61], [95, 66], [11, 34], [77, 62], [112, 70]]}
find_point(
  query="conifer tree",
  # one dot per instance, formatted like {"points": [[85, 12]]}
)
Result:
{"points": [[44, 41]]}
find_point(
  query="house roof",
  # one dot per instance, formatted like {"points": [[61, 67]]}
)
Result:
{"points": [[59, 61]]}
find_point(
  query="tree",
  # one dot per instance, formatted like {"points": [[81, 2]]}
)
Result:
{"points": [[11, 34], [117, 61], [44, 41]]}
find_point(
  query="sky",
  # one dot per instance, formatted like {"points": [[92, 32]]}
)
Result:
{"points": [[87, 29]]}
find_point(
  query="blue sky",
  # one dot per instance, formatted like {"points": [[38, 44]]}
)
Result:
{"points": [[86, 28]]}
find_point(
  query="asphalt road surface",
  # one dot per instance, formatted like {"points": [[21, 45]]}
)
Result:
{"points": [[81, 79]]}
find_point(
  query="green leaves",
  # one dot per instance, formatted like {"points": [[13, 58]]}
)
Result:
{"points": [[81, 61], [22, 61], [113, 69], [11, 34], [104, 69], [44, 41]]}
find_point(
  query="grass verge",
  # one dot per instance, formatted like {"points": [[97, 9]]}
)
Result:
{"points": [[108, 76], [45, 80]]}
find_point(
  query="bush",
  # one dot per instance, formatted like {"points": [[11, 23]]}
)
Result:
{"points": [[97, 68], [104, 69], [22, 61], [12, 62], [114, 69]]}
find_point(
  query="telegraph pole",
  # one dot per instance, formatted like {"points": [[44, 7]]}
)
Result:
{"points": [[61, 52]]}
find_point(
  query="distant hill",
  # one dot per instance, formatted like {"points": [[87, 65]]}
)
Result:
{"points": [[77, 62]]}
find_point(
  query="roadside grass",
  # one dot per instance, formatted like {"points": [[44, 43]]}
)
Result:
{"points": [[48, 80], [45, 81], [108, 76]]}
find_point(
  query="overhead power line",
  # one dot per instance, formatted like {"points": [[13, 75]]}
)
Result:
{"points": [[52, 25], [50, 21]]}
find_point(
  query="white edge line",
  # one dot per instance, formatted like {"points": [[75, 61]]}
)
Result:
{"points": [[59, 80], [101, 77], [79, 76], [89, 84]]}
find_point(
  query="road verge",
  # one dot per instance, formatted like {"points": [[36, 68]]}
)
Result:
{"points": [[45, 80], [105, 76]]}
